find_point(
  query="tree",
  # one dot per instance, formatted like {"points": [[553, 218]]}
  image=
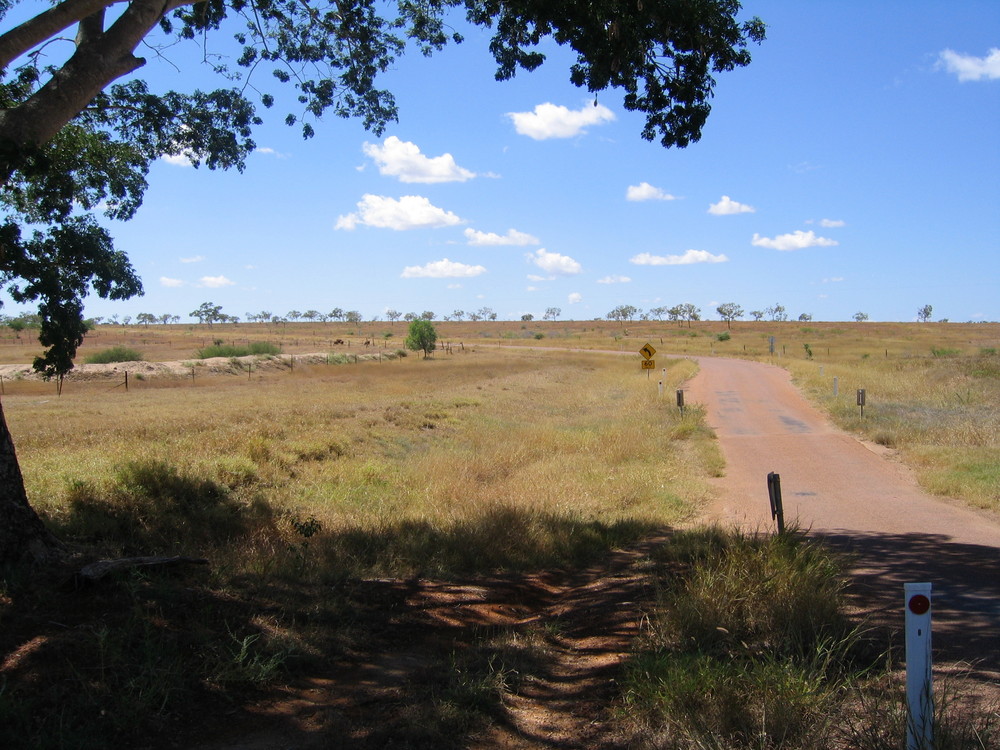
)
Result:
{"points": [[76, 135], [207, 313], [145, 318], [729, 311], [924, 313], [486, 313], [860, 317], [393, 315], [552, 313], [527, 317], [353, 317], [623, 314], [777, 313], [421, 337], [757, 315], [805, 318], [689, 312], [427, 315]]}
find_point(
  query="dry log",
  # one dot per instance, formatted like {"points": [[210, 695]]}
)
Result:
{"points": [[97, 570]]}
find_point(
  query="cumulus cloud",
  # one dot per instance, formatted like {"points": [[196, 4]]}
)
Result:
{"points": [[555, 121], [168, 282], [690, 257], [727, 206], [183, 159], [403, 160], [554, 263], [614, 279], [513, 237], [215, 282], [574, 298], [442, 269], [797, 240], [409, 212], [646, 192], [970, 68]]}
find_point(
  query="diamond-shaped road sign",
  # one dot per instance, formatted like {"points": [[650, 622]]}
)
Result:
{"points": [[647, 351]]}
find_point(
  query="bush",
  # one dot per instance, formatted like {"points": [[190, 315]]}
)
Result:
{"points": [[228, 350], [114, 354], [724, 336]]}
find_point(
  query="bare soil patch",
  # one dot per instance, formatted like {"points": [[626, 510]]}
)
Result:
{"points": [[556, 639]]}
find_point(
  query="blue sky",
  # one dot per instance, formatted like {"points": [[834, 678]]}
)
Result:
{"points": [[853, 166]]}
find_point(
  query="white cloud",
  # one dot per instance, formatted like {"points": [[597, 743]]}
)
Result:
{"points": [[513, 237], [831, 223], [833, 280], [555, 121], [554, 263], [646, 192], [615, 279], [797, 240], [574, 298], [691, 256], [215, 282], [727, 206], [403, 160], [167, 281], [442, 269], [193, 259], [178, 160], [268, 151], [409, 212], [969, 68]]}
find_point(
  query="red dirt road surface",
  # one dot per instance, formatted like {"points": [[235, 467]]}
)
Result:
{"points": [[855, 495]]}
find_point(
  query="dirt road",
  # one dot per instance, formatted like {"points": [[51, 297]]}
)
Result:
{"points": [[857, 496]]}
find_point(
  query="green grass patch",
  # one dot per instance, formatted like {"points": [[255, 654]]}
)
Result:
{"points": [[259, 348], [114, 354]]}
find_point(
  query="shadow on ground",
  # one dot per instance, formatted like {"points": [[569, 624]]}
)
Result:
{"points": [[965, 595]]}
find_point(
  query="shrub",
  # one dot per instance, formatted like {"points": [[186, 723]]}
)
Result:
{"points": [[114, 354], [227, 350], [724, 336]]}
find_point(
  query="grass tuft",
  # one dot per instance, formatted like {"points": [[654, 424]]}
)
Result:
{"points": [[114, 354]]}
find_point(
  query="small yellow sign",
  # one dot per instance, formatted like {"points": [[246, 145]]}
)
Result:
{"points": [[647, 351], [648, 364]]}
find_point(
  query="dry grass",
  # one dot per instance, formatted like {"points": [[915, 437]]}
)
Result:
{"points": [[386, 455]]}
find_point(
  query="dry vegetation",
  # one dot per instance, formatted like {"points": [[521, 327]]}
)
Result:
{"points": [[322, 488]]}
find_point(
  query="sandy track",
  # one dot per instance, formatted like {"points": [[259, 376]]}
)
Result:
{"points": [[857, 496]]}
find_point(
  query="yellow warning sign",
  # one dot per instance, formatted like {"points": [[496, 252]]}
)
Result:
{"points": [[648, 364], [647, 351]]}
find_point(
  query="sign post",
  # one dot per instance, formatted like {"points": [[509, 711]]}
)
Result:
{"points": [[648, 363], [919, 687], [774, 494]]}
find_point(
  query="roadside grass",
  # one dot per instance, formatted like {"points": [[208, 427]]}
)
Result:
{"points": [[750, 647], [942, 413], [309, 493]]}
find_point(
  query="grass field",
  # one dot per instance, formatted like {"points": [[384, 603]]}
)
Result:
{"points": [[518, 447]]}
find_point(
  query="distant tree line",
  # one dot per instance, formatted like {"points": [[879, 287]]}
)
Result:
{"points": [[209, 314]]}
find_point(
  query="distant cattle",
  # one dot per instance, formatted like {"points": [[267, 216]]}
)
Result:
{"points": [[338, 342]]}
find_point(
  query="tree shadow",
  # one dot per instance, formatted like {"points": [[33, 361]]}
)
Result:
{"points": [[965, 594]]}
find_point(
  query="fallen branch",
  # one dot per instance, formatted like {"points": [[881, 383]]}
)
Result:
{"points": [[96, 571]]}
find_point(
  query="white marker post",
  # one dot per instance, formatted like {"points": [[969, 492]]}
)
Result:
{"points": [[919, 688]]}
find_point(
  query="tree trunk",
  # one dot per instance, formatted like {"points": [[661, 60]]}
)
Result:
{"points": [[23, 536]]}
